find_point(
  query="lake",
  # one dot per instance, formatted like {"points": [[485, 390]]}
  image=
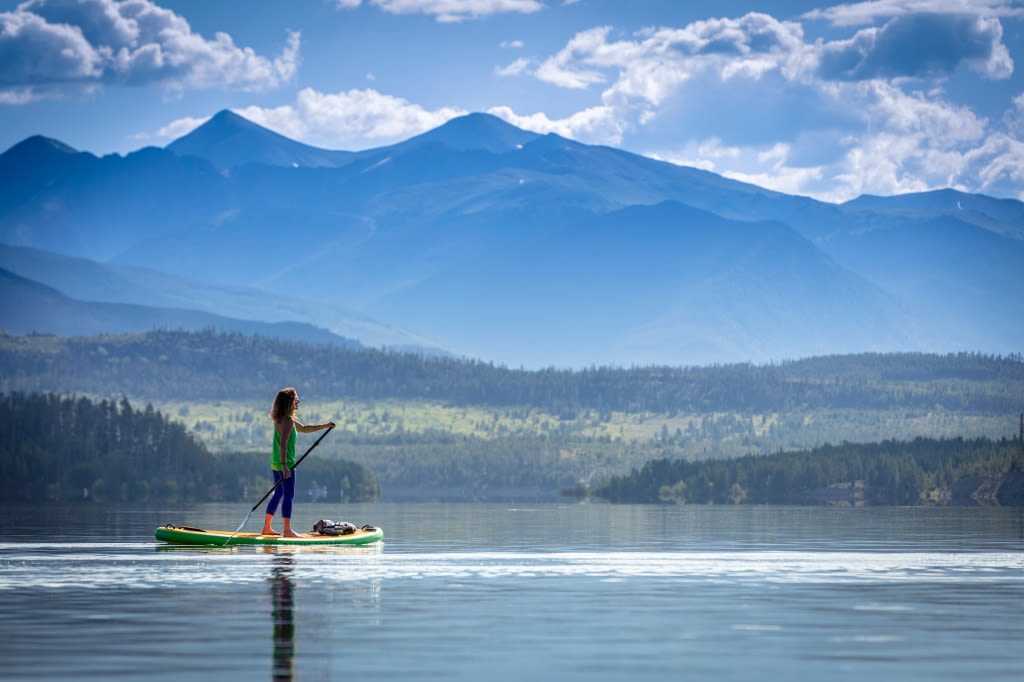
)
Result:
{"points": [[519, 592]]}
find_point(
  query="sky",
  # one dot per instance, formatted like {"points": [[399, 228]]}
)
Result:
{"points": [[824, 100]]}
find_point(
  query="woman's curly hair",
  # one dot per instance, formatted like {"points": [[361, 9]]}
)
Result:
{"points": [[285, 404]]}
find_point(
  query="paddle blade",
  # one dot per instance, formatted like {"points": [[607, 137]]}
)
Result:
{"points": [[242, 525]]}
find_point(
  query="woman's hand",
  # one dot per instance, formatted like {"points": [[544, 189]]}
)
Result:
{"points": [[286, 472]]}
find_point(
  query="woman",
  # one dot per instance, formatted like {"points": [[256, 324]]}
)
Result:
{"points": [[283, 458]]}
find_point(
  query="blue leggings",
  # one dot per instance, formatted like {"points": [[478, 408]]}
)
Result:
{"points": [[287, 490]]}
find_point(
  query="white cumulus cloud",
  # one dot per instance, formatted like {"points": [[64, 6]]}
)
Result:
{"points": [[859, 13], [920, 45], [177, 128], [516, 68], [449, 10], [48, 46], [596, 124]]}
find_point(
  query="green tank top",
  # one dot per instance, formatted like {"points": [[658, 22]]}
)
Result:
{"points": [[275, 458]]}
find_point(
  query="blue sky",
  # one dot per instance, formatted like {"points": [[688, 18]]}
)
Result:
{"points": [[825, 100]]}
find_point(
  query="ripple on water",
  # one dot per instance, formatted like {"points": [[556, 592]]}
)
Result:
{"points": [[143, 565]]}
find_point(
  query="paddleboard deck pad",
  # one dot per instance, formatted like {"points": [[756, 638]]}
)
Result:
{"points": [[188, 535]]}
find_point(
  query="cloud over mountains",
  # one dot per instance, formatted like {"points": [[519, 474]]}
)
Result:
{"points": [[919, 46]]}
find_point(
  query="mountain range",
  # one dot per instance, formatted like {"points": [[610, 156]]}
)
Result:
{"points": [[482, 239], [30, 306]]}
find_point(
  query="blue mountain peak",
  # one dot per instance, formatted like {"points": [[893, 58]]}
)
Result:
{"points": [[477, 131], [38, 144], [228, 139]]}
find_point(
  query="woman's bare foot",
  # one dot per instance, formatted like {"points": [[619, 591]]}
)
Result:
{"points": [[268, 522]]}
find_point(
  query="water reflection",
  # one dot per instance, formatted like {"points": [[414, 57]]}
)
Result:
{"points": [[282, 614]]}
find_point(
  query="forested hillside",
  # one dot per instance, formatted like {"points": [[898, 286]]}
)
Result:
{"points": [[74, 448], [174, 365], [923, 471], [443, 428]]}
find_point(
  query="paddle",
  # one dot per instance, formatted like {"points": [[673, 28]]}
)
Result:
{"points": [[274, 487]]}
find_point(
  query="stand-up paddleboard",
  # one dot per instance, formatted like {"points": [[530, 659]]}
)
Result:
{"points": [[187, 535]]}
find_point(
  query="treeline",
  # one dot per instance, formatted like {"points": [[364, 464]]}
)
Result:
{"points": [[436, 465], [56, 448], [215, 366], [922, 471]]}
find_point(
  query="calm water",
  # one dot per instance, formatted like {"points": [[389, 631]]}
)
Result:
{"points": [[499, 592]]}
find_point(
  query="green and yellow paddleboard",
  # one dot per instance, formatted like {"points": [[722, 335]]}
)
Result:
{"points": [[187, 535]]}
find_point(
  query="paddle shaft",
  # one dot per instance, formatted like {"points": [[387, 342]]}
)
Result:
{"points": [[297, 463]]}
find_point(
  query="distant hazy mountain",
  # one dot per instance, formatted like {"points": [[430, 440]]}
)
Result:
{"points": [[228, 140], [88, 280], [27, 306], [533, 249]]}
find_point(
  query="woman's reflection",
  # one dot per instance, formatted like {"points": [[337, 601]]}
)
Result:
{"points": [[283, 615]]}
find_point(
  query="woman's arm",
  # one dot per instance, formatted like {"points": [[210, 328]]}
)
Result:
{"points": [[310, 428]]}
